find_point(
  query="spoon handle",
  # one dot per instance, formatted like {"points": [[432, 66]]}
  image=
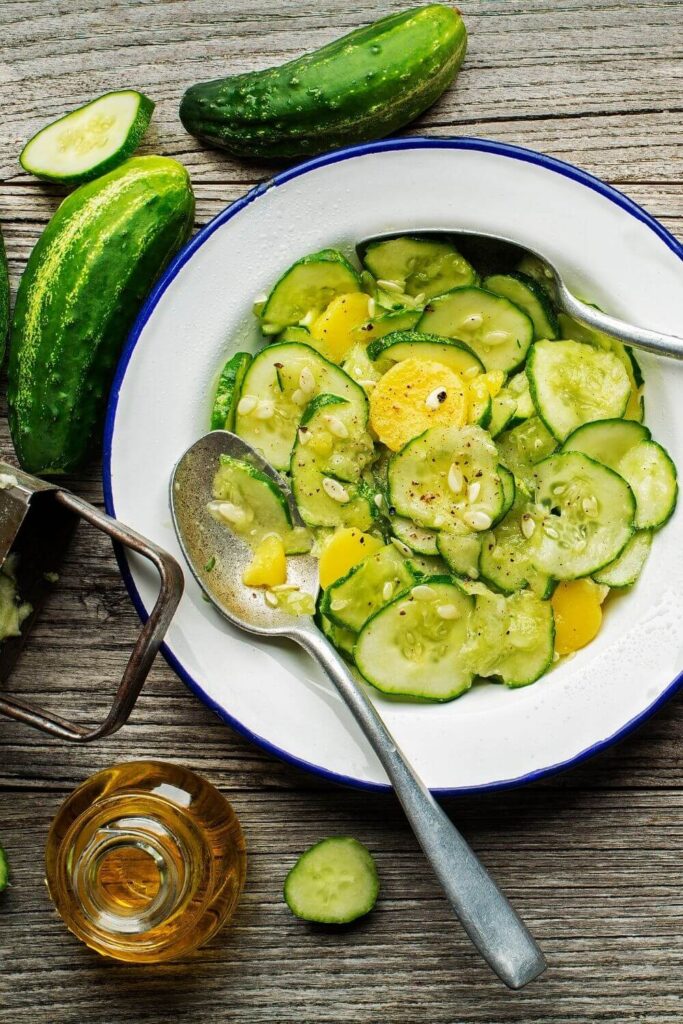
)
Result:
{"points": [[650, 341], [493, 926]]}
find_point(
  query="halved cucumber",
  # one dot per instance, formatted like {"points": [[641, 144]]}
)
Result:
{"points": [[394, 348], [251, 504], [273, 399], [503, 409], [307, 288], [626, 569], [572, 383], [320, 455], [526, 293], [370, 585], [420, 266], [505, 560], [228, 391], [417, 538], [448, 478], [627, 447], [460, 552], [333, 882], [415, 646], [524, 446], [387, 323], [511, 638], [499, 332], [584, 515], [91, 140]]}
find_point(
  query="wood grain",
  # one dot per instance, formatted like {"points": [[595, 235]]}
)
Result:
{"points": [[592, 859]]}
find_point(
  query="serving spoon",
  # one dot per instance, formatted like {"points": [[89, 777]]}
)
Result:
{"points": [[218, 559], [496, 254]]}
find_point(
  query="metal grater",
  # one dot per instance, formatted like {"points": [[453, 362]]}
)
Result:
{"points": [[37, 521]]}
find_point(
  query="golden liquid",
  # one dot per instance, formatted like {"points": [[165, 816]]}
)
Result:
{"points": [[145, 861]]}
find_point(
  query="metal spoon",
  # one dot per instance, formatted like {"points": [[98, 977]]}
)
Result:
{"points": [[493, 254], [489, 920]]}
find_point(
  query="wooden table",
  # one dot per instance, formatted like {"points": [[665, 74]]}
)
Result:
{"points": [[591, 859]]}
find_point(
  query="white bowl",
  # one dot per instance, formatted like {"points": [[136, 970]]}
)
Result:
{"points": [[610, 250]]}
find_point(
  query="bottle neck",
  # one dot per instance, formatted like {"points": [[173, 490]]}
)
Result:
{"points": [[130, 875]]}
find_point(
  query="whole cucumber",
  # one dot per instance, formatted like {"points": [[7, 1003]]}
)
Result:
{"points": [[83, 286], [4, 299], [363, 86]]}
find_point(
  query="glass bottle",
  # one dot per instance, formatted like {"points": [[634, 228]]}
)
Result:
{"points": [[145, 861]]}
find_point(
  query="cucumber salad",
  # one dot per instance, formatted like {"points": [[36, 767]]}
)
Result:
{"points": [[472, 468]]}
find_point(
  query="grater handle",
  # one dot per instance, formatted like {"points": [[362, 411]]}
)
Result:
{"points": [[146, 646]]}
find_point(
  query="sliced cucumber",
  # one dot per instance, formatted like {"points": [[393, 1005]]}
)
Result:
{"points": [[460, 552], [340, 637], [91, 140], [306, 289], [333, 882], [4, 870], [360, 368], [524, 446], [572, 329], [318, 457], [420, 266], [505, 560], [626, 447], [425, 565], [503, 409], [499, 332], [572, 383], [369, 586], [526, 293], [511, 638], [422, 541], [509, 491], [415, 645], [532, 267], [396, 347], [251, 504], [273, 399], [296, 333], [626, 569], [481, 408], [518, 388], [584, 516], [447, 478], [228, 391], [387, 323]]}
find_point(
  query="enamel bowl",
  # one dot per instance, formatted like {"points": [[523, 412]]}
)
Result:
{"points": [[610, 252]]}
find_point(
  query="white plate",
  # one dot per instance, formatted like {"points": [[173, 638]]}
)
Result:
{"points": [[610, 251]]}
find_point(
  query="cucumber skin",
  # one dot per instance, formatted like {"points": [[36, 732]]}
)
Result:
{"points": [[4, 299], [133, 140], [363, 86], [82, 288]]}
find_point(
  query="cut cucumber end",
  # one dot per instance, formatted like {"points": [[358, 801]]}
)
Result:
{"points": [[91, 140], [333, 882]]}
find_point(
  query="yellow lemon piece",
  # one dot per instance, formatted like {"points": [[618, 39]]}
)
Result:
{"points": [[333, 329], [345, 548], [414, 395], [578, 615], [268, 567]]}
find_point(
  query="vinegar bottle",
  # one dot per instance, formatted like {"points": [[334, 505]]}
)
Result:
{"points": [[145, 861]]}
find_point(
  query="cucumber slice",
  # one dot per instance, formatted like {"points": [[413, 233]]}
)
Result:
{"points": [[394, 348], [422, 541], [448, 478], [518, 388], [340, 637], [91, 140], [509, 490], [511, 638], [626, 569], [228, 391], [572, 329], [531, 266], [369, 586], [257, 506], [387, 323], [296, 333], [524, 446], [333, 882], [503, 409], [505, 561], [627, 447], [307, 288], [426, 565], [460, 552], [528, 294], [273, 382], [318, 458], [481, 409], [499, 332], [420, 266], [585, 516], [415, 646], [572, 383], [4, 870]]}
